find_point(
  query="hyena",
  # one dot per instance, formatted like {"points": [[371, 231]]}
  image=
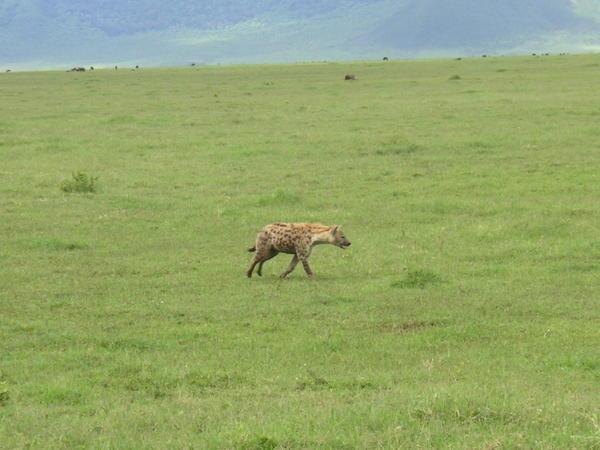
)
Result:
{"points": [[296, 239]]}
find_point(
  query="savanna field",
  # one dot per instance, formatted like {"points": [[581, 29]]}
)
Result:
{"points": [[465, 315]]}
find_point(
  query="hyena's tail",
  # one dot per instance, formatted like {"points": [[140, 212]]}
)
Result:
{"points": [[252, 249]]}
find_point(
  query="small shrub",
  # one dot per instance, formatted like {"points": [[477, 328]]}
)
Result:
{"points": [[398, 146], [354, 385], [454, 78], [4, 395], [58, 395], [399, 149], [278, 198], [56, 245], [260, 443], [407, 327], [314, 382], [212, 380], [81, 182], [418, 279]]}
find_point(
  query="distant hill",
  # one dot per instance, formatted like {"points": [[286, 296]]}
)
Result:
{"points": [[468, 24], [54, 33]]}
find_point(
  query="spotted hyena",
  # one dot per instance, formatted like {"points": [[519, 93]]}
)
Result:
{"points": [[296, 239]]}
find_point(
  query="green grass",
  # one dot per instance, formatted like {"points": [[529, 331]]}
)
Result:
{"points": [[465, 314]]}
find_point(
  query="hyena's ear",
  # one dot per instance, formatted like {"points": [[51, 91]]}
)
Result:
{"points": [[334, 229]]}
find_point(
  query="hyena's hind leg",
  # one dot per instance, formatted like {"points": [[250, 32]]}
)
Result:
{"points": [[262, 249], [253, 263], [272, 254]]}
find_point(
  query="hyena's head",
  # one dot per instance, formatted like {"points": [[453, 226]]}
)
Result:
{"points": [[338, 237]]}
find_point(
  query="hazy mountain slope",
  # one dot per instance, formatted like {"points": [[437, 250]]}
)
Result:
{"points": [[126, 17], [435, 24], [50, 33], [123, 17]]}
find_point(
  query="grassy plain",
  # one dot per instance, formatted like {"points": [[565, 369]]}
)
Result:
{"points": [[465, 314]]}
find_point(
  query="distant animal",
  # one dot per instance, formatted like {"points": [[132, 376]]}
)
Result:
{"points": [[78, 69], [296, 239], [385, 58], [350, 77]]}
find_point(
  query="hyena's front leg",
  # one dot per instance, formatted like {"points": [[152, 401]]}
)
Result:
{"points": [[303, 256], [307, 268], [291, 267]]}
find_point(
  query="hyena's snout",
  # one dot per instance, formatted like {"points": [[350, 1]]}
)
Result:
{"points": [[345, 244]]}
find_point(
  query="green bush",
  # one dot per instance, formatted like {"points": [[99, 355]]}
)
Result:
{"points": [[81, 182], [4, 396]]}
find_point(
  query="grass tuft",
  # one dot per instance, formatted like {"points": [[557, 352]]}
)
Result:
{"points": [[260, 443], [397, 146], [407, 327], [81, 182], [418, 279], [4, 394], [213, 380], [279, 198], [53, 244], [57, 395], [463, 411], [313, 382]]}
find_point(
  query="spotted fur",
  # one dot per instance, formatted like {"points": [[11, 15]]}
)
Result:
{"points": [[296, 239]]}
